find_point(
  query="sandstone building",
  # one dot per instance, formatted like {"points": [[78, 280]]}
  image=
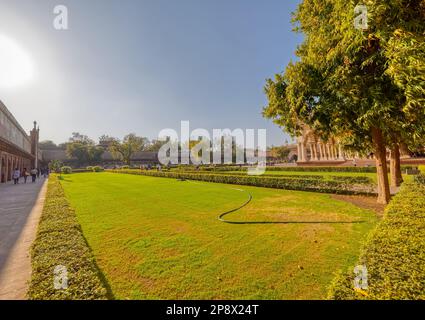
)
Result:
{"points": [[17, 148]]}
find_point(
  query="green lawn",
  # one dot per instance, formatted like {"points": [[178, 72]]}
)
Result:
{"points": [[157, 238]]}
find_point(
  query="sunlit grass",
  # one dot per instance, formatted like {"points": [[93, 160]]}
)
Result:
{"points": [[157, 238]]}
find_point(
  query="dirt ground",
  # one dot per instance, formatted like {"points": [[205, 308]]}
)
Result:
{"points": [[363, 202]]}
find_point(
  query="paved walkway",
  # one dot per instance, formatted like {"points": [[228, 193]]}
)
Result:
{"points": [[20, 210]]}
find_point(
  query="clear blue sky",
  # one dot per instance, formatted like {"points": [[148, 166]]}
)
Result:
{"points": [[144, 65]]}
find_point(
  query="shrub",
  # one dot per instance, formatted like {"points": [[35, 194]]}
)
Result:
{"points": [[394, 253], [66, 170], [281, 182], [98, 169], [292, 168], [420, 178], [60, 242], [353, 180], [89, 168]]}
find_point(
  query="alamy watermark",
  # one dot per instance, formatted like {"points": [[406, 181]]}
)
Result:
{"points": [[224, 146], [60, 278], [60, 21], [360, 281], [361, 19]]}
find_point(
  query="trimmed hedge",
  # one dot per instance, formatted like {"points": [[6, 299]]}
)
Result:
{"points": [[347, 179], [294, 168], [353, 180], [60, 242], [420, 178], [394, 253], [301, 184]]}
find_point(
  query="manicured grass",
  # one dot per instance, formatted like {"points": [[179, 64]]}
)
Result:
{"points": [[158, 238]]}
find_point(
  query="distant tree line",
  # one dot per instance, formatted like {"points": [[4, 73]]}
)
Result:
{"points": [[87, 152]]}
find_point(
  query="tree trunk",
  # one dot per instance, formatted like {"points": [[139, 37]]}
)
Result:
{"points": [[381, 166], [395, 167]]}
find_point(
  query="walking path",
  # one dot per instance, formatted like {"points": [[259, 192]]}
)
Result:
{"points": [[20, 210]]}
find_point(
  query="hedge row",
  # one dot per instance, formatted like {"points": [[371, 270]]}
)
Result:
{"points": [[60, 242], [351, 180], [337, 187], [394, 254], [420, 178], [294, 168]]}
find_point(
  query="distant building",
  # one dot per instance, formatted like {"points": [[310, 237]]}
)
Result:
{"points": [[17, 149], [312, 150]]}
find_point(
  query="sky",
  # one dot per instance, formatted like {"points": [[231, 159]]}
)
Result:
{"points": [[145, 65]]}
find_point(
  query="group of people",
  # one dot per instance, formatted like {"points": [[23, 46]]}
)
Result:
{"points": [[34, 173]]}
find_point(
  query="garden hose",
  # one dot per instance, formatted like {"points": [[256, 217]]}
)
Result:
{"points": [[222, 215]]}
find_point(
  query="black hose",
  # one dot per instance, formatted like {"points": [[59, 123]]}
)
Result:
{"points": [[220, 217]]}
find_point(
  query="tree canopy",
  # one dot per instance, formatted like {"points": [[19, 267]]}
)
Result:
{"points": [[346, 81]]}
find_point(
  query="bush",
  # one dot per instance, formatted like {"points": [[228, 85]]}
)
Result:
{"points": [[300, 183], [353, 180], [66, 170], [125, 167], [97, 169], [420, 178], [394, 253], [294, 168], [60, 242], [89, 168]]}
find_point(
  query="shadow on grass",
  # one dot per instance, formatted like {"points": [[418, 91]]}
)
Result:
{"points": [[101, 275]]}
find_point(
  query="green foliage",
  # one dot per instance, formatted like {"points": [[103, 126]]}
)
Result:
{"points": [[420, 178], [66, 170], [98, 169], [365, 87], [287, 169], [394, 254], [353, 180], [299, 183], [55, 166], [60, 242], [89, 168], [124, 150], [85, 151]]}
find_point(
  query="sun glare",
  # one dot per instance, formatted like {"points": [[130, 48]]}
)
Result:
{"points": [[16, 67]]}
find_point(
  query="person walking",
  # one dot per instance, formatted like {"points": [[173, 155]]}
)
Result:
{"points": [[25, 174], [16, 175], [33, 174]]}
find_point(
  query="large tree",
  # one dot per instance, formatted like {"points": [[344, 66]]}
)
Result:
{"points": [[83, 149], [341, 85], [124, 150]]}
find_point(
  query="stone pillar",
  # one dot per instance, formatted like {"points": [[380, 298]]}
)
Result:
{"points": [[299, 151], [311, 151], [304, 152], [341, 153]]}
